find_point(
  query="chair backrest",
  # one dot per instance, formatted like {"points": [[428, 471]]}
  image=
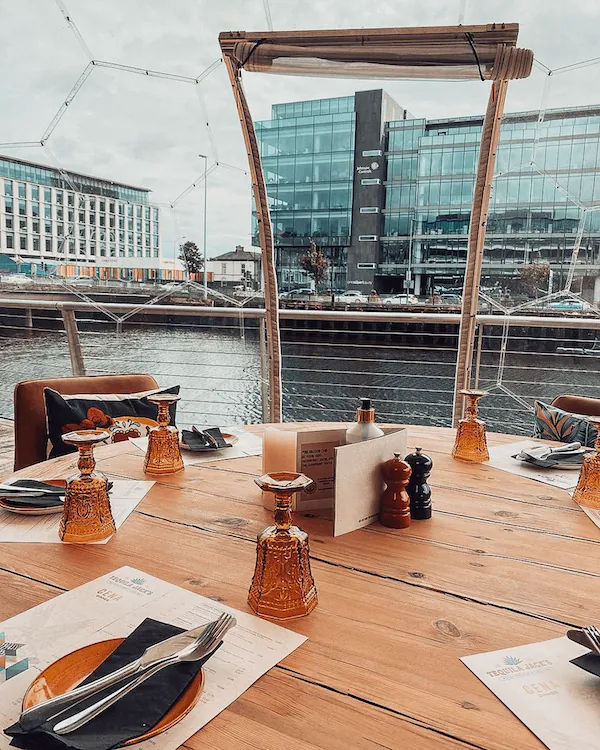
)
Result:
{"points": [[30, 410], [590, 407]]}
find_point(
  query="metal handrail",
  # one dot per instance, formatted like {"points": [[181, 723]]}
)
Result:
{"points": [[358, 316]]}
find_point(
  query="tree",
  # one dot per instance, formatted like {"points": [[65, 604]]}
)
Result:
{"points": [[315, 264], [191, 256], [534, 277]]}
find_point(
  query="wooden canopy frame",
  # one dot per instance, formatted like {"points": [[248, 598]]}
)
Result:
{"points": [[437, 52]]}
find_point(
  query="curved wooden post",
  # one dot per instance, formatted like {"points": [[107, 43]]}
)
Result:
{"points": [[266, 241], [479, 215]]}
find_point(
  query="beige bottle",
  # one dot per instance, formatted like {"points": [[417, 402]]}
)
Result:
{"points": [[364, 428]]}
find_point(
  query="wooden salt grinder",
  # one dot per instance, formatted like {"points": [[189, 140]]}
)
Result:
{"points": [[395, 502]]}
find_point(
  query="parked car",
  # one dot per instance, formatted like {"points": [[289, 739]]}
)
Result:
{"points": [[351, 296], [296, 293], [401, 299], [450, 299]]}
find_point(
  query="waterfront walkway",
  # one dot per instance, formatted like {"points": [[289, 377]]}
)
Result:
{"points": [[7, 445]]}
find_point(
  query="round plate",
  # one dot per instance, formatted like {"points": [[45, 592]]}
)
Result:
{"points": [[32, 511], [232, 439], [66, 673]]}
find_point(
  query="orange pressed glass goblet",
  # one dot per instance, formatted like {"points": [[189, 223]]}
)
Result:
{"points": [[283, 586], [163, 455], [587, 491], [87, 516], [470, 443]]}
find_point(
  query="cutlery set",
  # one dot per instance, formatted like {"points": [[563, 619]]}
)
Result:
{"points": [[191, 646]]}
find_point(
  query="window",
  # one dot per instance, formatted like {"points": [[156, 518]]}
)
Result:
{"points": [[92, 218], [70, 215], [8, 205], [35, 193], [111, 221], [21, 188], [36, 244], [35, 225], [121, 210], [10, 241], [8, 187], [130, 225], [48, 227], [48, 195], [102, 220], [35, 208], [70, 199], [59, 214], [102, 206], [22, 208], [138, 225], [155, 214], [138, 212], [224, 269], [147, 227], [48, 244], [23, 223], [23, 242], [8, 222], [370, 181], [59, 197], [47, 212], [147, 213], [111, 207], [130, 210], [81, 217]]}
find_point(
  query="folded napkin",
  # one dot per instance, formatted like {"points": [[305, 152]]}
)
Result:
{"points": [[133, 715], [37, 494], [546, 456], [204, 440]]}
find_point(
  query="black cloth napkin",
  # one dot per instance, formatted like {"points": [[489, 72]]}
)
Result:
{"points": [[41, 500], [133, 715], [197, 440], [590, 662]]}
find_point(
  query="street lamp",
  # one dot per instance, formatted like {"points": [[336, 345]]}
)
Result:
{"points": [[183, 237], [203, 156]]}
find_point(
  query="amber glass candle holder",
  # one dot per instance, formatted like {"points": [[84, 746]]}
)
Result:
{"points": [[470, 443], [587, 491], [87, 516], [283, 586], [163, 455]]}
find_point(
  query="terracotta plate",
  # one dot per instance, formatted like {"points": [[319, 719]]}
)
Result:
{"points": [[66, 673]]}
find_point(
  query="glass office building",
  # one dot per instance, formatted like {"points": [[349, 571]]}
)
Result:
{"points": [[85, 225], [545, 174], [388, 196]]}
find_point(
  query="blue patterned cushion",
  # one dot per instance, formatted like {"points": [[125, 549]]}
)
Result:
{"points": [[552, 423]]}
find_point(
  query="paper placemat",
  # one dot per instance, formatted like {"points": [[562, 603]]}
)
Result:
{"points": [[556, 700], [112, 606], [125, 495], [501, 457], [248, 444]]}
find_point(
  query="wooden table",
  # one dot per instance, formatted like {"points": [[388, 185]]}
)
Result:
{"points": [[504, 561]]}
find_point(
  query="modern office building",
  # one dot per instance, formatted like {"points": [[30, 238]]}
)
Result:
{"points": [[403, 189], [77, 224]]}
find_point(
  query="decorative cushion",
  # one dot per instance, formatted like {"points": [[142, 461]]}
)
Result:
{"points": [[124, 415], [552, 423]]}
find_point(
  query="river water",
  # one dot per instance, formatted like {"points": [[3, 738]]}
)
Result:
{"points": [[410, 377]]}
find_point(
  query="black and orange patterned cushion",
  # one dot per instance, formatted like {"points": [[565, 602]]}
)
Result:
{"points": [[552, 423], [124, 415]]}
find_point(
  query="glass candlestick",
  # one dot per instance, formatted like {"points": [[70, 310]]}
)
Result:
{"points": [[470, 443], [283, 586], [87, 516], [587, 491], [163, 455]]}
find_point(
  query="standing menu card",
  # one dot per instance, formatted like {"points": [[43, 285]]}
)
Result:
{"points": [[113, 606], [557, 701]]}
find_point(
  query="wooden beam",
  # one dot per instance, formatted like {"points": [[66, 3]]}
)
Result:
{"points": [[74, 342], [266, 241], [479, 214]]}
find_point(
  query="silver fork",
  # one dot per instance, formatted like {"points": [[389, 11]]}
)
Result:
{"points": [[593, 635], [206, 644]]}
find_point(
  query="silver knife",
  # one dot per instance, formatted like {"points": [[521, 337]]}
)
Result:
{"points": [[37, 715]]}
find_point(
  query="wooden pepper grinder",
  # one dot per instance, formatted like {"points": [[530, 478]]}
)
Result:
{"points": [[395, 502], [418, 489]]}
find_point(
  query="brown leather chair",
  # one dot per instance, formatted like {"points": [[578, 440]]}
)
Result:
{"points": [[30, 410], [590, 407]]}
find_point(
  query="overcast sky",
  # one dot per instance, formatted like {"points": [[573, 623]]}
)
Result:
{"points": [[149, 132]]}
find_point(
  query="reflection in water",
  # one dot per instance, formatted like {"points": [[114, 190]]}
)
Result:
{"points": [[410, 378]]}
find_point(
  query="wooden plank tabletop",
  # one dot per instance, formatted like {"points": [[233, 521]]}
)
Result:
{"points": [[504, 561]]}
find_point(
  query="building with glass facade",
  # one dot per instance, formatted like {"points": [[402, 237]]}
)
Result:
{"points": [[83, 225], [420, 195]]}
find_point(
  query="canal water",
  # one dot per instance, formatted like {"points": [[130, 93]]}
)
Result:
{"points": [[408, 374]]}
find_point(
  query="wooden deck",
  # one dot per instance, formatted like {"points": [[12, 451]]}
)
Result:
{"points": [[7, 443]]}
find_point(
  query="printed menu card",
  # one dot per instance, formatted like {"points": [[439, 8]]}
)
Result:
{"points": [[113, 606], [557, 701]]}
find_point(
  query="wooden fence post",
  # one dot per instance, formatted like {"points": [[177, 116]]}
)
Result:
{"points": [[70, 323]]}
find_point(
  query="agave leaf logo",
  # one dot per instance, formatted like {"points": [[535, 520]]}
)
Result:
{"points": [[511, 661], [138, 581]]}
